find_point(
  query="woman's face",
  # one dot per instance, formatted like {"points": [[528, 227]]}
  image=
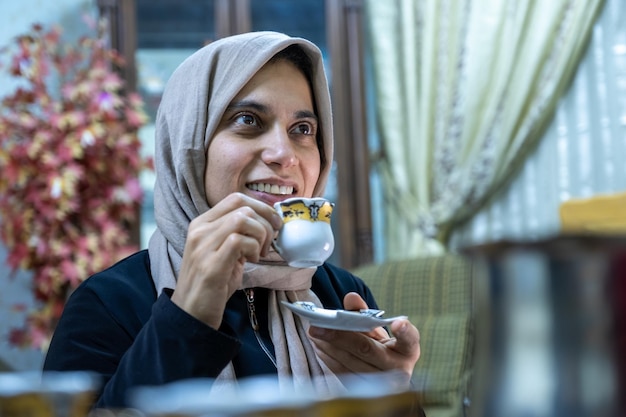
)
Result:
{"points": [[265, 145]]}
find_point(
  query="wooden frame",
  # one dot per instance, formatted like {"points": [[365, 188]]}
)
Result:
{"points": [[120, 15], [232, 17], [123, 34], [345, 38]]}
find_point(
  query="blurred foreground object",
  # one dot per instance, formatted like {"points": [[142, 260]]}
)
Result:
{"points": [[52, 394], [366, 395], [551, 328]]}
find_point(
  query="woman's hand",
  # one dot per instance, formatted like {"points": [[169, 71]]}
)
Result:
{"points": [[219, 242], [354, 352]]}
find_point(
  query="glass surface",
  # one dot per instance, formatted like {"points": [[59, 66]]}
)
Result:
{"points": [[303, 18], [174, 23], [168, 31]]}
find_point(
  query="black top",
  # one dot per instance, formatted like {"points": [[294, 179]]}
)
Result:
{"points": [[114, 325]]}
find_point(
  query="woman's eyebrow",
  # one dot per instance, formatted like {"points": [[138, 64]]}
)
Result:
{"points": [[247, 104], [262, 108], [305, 114]]}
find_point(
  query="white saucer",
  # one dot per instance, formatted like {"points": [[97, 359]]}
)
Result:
{"points": [[355, 321]]}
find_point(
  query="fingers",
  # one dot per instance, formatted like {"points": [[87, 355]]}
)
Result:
{"points": [[356, 352], [336, 366], [219, 242], [353, 352], [368, 352], [352, 355], [242, 216], [238, 200], [353, 301], [406, 339], [241, 232], [237, 229], [406, 335]]}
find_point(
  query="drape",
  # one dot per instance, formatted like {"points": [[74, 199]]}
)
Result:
{"points": [[464, 90], [581, 154]]}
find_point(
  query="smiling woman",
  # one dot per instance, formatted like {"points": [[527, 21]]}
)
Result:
{"points": [[205, 299]]}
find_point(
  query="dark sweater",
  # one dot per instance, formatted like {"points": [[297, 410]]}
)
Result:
{"points": [[114, 325]]}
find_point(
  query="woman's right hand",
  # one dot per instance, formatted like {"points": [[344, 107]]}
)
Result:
{"points": [[219, 242]]}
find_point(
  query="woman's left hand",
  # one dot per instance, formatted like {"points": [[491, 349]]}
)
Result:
{"points": [[375, 351]]}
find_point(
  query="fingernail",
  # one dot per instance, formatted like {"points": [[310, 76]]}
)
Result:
{"points": [[277, 221], [317, 331]]}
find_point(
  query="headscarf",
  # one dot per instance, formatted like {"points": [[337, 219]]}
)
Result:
{"points": [[191, 108]]}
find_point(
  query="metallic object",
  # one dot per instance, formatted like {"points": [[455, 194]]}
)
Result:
{"points": [[551, 328]]}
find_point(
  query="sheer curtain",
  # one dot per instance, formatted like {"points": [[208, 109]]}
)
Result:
{"points": [[582, 153], [463, 90]]}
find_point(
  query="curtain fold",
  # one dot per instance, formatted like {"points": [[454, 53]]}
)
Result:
{"points": [[463, 90], [580, 155]]}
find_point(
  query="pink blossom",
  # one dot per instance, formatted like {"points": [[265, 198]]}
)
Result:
{"points": [[105, 101], [63, 156], [133, 189]]}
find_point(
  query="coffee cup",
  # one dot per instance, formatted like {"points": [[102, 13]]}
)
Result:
{"points": [[306, 238]]}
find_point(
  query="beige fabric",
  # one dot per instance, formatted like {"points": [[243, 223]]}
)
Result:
{"points": [[192, 105], [463, 91]]}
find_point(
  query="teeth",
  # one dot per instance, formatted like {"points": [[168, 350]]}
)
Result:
{"points": [[271, 189]]}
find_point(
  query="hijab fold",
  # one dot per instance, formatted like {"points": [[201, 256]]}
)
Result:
{"points": [[192, 105]]}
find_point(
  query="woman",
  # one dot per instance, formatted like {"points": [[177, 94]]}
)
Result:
{"points": [[243, 123]]}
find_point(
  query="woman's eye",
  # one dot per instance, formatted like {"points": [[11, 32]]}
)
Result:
{"points": [[246, 119], [304, 129]]}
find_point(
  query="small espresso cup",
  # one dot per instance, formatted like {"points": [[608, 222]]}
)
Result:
{"points": [[306, 238]]}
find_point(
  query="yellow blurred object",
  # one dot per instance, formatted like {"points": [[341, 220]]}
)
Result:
{"points": [[47, 394], [402, 404], [603, 213], [26, 404]]}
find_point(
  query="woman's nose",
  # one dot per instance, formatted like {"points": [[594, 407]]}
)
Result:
{"points": [[279, 149]]}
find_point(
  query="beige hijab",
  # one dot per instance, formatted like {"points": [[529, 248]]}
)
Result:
{"points": [[192, 105]]}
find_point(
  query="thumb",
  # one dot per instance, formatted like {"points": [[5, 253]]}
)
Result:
{"points": [[407, 338], [353, 301]]}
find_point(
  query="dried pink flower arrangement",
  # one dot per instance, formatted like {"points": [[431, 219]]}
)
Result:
{"points": [[69, 161]]}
